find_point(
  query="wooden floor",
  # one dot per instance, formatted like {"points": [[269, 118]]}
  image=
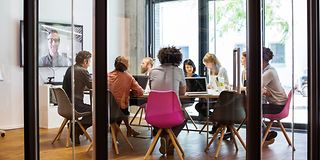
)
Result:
{"points": [[193, 143]]}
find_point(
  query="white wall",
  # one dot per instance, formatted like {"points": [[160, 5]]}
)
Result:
{"points": [[11, 89]]}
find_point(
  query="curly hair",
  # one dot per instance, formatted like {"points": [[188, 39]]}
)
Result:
{"points": [[190, 63], [267, 54], [171, 55]]}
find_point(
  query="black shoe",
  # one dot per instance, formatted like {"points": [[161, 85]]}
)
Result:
{"points": [[271, 135], [163, 147], [226, 136], [214, 129]]}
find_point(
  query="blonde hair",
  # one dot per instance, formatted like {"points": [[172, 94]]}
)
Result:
{"points": [[210, 58], [150, 60]]}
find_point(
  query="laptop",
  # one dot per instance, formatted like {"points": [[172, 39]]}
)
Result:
{"points": [[196, 85], [142, 80]]}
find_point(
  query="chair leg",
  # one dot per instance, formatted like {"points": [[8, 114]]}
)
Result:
{"points": [[175, 138], [122, 134], [135, 115], [153, 144], [243, 121], [285, 134], [192, 120], [265, 134], [141, 113], [215, 135], [63, 124], [91, 144], [68, 134], [233, 137], [114, 139], [239, 137], [220, 141], [187, 127], [176, 146], [204, 126], [84, 131]]}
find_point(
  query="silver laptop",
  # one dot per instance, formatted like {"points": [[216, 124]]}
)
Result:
{"points": [[196, 85]]}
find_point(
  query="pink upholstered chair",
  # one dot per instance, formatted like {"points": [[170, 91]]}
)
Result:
{"points": [[277, 117], [164, 111]]}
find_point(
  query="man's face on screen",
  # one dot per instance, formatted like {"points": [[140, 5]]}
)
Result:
{"points": [[53, 43]]}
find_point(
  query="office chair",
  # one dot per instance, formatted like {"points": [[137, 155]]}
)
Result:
{"points": [[164, 111], [228, 111], [277, 117], [65, 110]]}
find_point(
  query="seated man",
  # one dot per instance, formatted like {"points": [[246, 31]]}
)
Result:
{"points": [[274, 96], [82, 80]]}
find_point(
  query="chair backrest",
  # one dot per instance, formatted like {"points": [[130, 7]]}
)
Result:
{"points": [[64, 104], [229, 109], [285, 111], [114, 110], [163, 109]]}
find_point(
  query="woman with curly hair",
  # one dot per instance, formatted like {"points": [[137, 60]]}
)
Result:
{"points": [[168, 76]]}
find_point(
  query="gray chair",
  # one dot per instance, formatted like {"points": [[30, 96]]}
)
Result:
{"points": [[230, 109], [65, 110], [115, 115]]}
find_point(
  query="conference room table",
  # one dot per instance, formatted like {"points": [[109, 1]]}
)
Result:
{"points": [[210, 96]]}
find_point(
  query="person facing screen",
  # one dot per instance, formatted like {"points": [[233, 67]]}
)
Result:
{"points": [[54, 58], [189, 68]]}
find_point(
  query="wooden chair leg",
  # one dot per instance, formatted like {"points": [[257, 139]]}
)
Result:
{"points": [[68, 134], [153, 144], [91, 144], [265, 134], [220, 141], [114, 139], [233, 137], [135, 115], [63, 124], [84, 131], [122, 134], [175, 138], [215, 135], [285, 134], [179, 152], [239, 137]]}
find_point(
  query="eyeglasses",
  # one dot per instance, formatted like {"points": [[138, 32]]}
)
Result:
{"points": [[54, 39]]}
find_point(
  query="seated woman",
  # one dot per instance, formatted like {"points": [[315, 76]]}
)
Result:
{"points": [[120, 83], [274, 96], [168, 76], [189, 70]]}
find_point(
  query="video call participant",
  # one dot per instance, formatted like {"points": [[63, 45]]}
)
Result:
{"points": [[82, 80], [168, 76], [54, 58], [120, 83]]}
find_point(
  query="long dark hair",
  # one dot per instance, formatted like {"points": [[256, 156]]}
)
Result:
{"points": [[190, 63]]}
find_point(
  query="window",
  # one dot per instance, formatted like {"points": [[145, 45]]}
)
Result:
{"points": [[278, 52]]}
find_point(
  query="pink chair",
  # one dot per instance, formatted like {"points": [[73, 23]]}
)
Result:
{"points": [[164, 111], [277, 117]]}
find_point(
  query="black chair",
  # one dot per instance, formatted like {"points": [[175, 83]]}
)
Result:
{"points": [[65, 110], [115, 115], [228, 111]]}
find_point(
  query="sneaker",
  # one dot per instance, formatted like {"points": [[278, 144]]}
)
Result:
{"points": [[226, 136], [163, 147], [271, 135], [269, 142]]}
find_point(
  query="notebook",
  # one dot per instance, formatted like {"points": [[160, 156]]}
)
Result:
{"points": [[196, 85], [142, 80]]}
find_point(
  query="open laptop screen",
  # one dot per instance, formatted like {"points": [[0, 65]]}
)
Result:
{"points": [[142, 80], [196, 84]]}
